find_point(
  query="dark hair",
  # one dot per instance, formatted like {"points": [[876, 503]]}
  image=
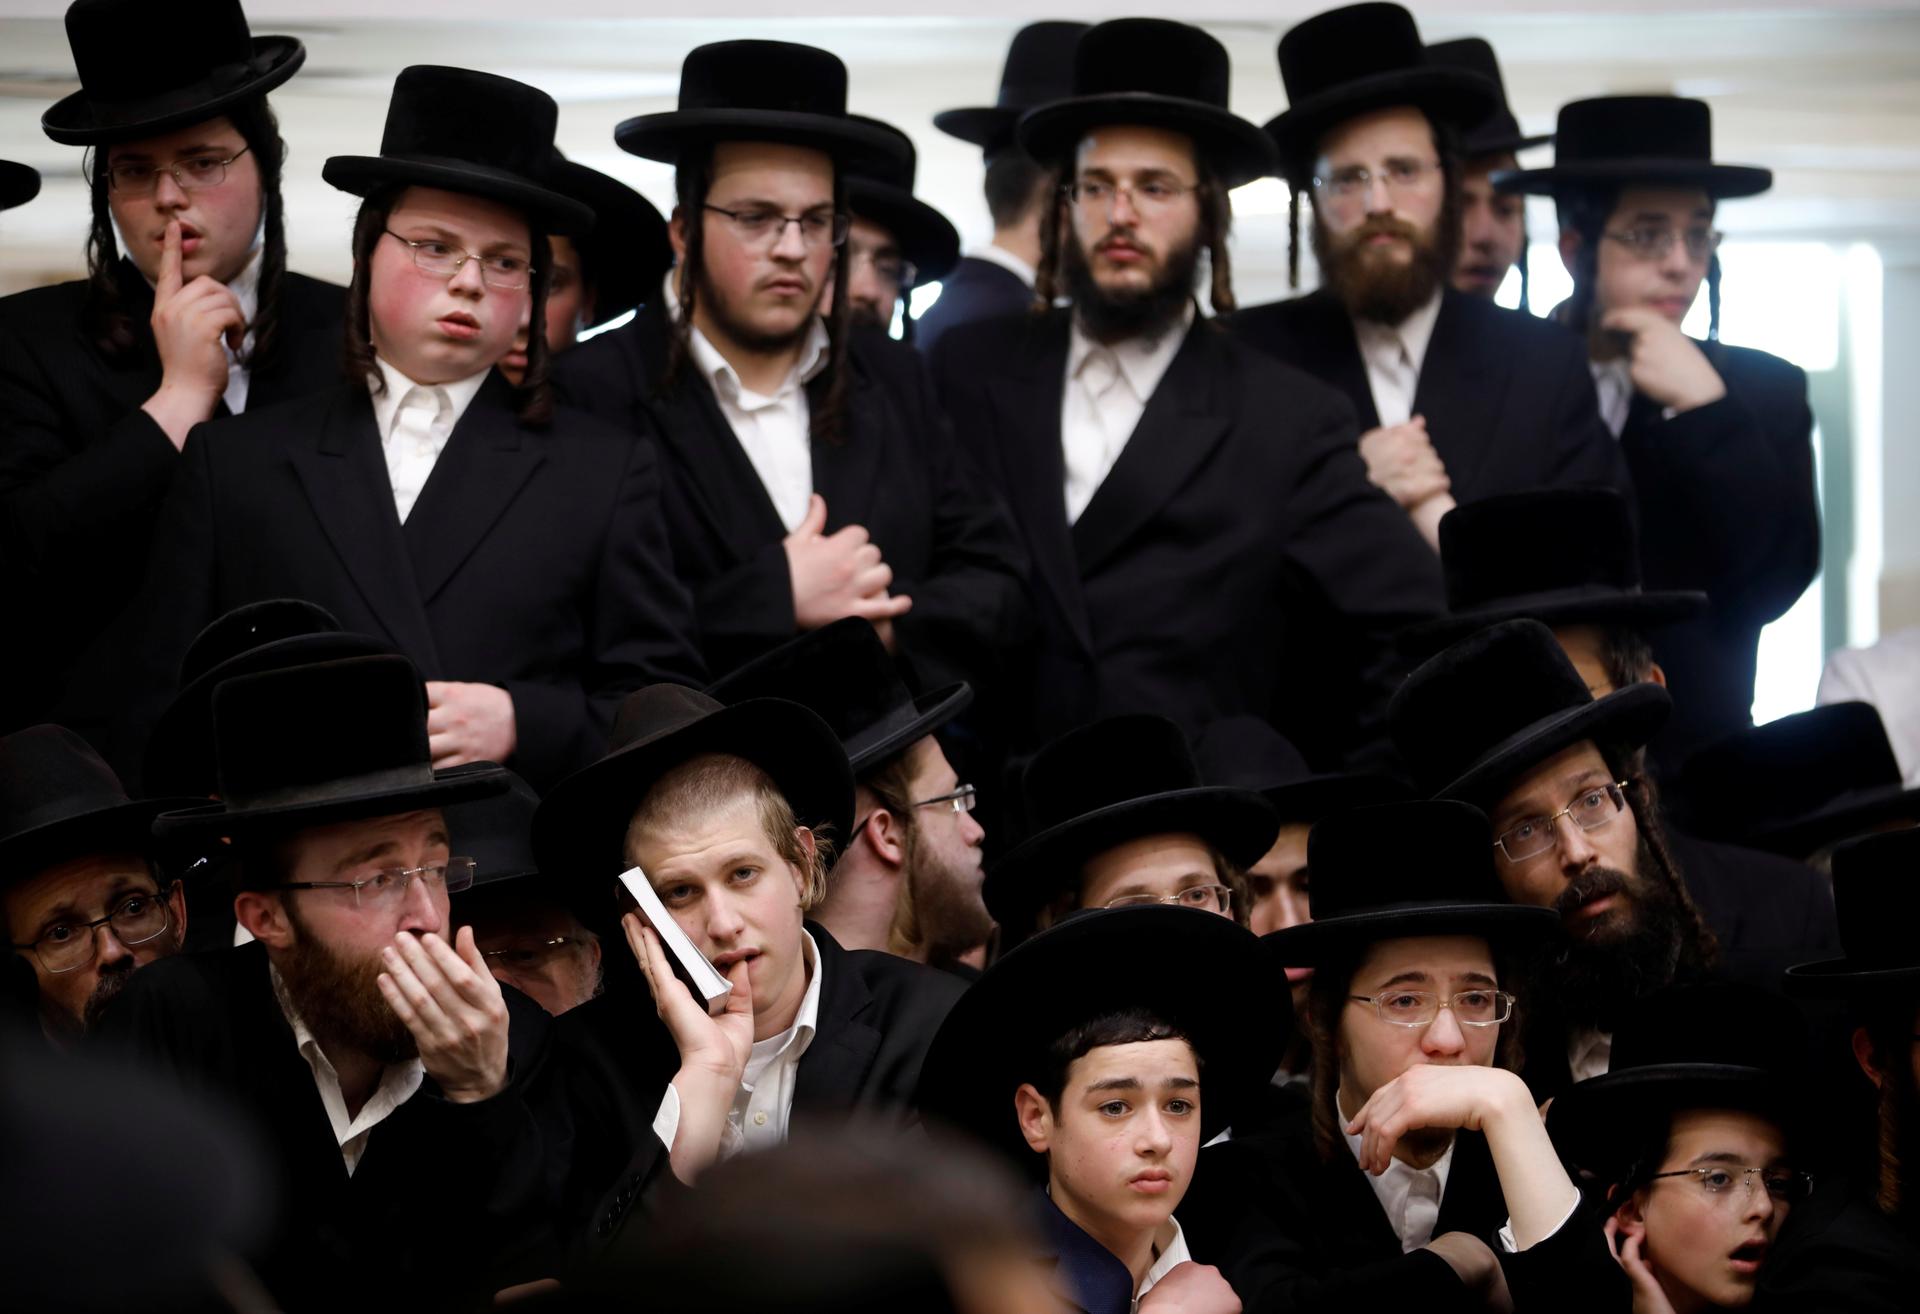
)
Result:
{"points": [[533, 398], [105, 318], [1123, 1026], [1446, 145], [1586, 212], [1625, 655], [1699, 951], [1015, 184], [1890, 1031]]}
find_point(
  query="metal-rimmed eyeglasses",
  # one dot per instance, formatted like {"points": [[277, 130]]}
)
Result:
{"points": [[1479, 1007], [894, 270], [1656, 243], [1595, 807], [527, 957], [501, 271], [1353, 182], [386, 888], [961, 799], [762, 225], [193, 174], [1148, 196], [1205, 898], [135, 919], [1716, 1181]]}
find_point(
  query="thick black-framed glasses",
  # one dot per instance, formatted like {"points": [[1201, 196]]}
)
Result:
{"points": [[388, 887], [136, 918], [195, 173], [763, 225]]}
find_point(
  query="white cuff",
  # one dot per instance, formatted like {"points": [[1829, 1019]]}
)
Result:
{"points": [[666, 1122], [1506, 1233]]}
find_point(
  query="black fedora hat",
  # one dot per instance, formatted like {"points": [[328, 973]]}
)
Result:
{"points": [[1156, 73], [1577, 563], [627, 252], [1499, 132], [497, 833], [1201, 974], [881, 192], [1800, 783], [146, 69], [59, 800], [580, 830], [1039, 69], [259, 636], [772, 91], [1399, 870], [1118, 779], [1876, 898], [844, 674], [18, 184], [469, 132], [1702, 1045], [1472, 719], [1356, 59], [1611, 141], [325, 742], [1246, 752]]}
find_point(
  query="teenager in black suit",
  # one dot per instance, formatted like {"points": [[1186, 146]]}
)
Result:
{"points": [[1194, 512], [1719, 439], [101, 379], [512, 549]]}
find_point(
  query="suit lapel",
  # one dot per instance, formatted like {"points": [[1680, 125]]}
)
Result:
{"points": [[346, 480], [835, 1066], [1351, 1198], [488, 458], [1454, 393], [1330, 351]]}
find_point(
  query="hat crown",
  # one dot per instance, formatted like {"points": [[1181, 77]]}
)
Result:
{"points": [[47, 774], [1711, 1022], [126, 50], [1036, 61], [779, 76], [1394, 854], [1346, 44], [248, 627], [469, 117], [1108, 762], [1793, 765], [1520, 544], [496, 832], [658, 709], [1152, 56], [1876, 898], [1246, 752], [1634, 128], [841, 672], [894, 169], [1499, 129]]}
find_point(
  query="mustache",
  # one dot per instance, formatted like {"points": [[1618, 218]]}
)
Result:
{"points": [[1383, 225], [1594, 883]]}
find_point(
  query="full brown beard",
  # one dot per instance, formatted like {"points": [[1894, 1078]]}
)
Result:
{"points": [[340, 1001], [1381, 290]]}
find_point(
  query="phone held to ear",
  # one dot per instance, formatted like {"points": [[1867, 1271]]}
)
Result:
{"points": [[689, 964]]}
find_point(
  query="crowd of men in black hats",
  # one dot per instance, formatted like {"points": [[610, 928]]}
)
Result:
{"points": [[1117, 801]]}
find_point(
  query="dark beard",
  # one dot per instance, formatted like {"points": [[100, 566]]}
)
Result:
{"points": [[735, 327], [112, 981], [952, 916], [341, 1003], [1109, 317], [1383, 291], [1598, 973]]}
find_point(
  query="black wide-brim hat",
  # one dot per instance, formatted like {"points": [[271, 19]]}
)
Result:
{"points": [[1246, 752], [1038, 70], [469, 132], [1201, 973], [580, 830], [147, 69], [497, 833], [19, 183], [1356, 59], [60, 800], [324, 742], [1158, 74], [627, 252], [1614, 141], [768, 91], [1499, 132], [924, 234], [1876, 899]]}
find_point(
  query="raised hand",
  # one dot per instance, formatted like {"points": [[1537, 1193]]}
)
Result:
{"points": [[469, 723], [450, 1002], [1626, 1243], [1426, 1095], [190, 323], [838, 574], [1402, 463], [1666, 365]]}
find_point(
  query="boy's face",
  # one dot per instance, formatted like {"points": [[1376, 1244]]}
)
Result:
{"points": [[217, 223], [437, 329], [1627, 278]]}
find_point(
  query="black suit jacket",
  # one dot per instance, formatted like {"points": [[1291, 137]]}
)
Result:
{"points": [[83, 469], [1508, 398], [442, 1191], [1237, 525], [898, 473], [533, 559], [976, 289], [1838, 1254], [1767, 912]]}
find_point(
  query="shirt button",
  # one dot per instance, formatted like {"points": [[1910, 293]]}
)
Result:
{"points": [[759, 1119]]}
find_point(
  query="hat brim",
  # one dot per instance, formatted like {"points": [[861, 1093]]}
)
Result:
{"points": [[986, 126], [1311, 944], [924, 235], [1601, 1124], [931, 711], [667, 135], [122, 827], [1624, 719], [452, 785], [1452, 95], [628, 251], [75, 120], [1848, 978], [1841, 819], [1558, 607], [363, 175], [19, 184], [1307, 801], [1238, 150], [1721, 181], [1473, 148], [1237, 822]]}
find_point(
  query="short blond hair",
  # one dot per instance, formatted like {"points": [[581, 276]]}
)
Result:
{"points": [[712, 782]]}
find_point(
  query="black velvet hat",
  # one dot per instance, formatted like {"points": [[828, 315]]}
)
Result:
{"points": [[1155, 73], [467, 132], [497, 833], [146, 68], [772, 91], [627, 252], [259, 636], [1246, 752], [1561, 556], [1611, 141], [1707, 1045], [59, 800], [1800, 783], [1473, 719], [844, 674], [1119, 779], [1202, 974], [1401, 870], [881, 192], [1039, 69], [1499, 132], [18, 184], [1876, 897], [1356, 59], [580, 830], [325, 742]]}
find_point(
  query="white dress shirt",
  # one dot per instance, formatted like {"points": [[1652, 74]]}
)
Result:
{"points": [[763, 1106], [414, 421], [1589, 1053], [1888, 676], [1007, 260], [1393, 354], [1175, 1253], [398, 1082], [1107, 389], [775, 431], [1613, 380], [1409, 1196]]}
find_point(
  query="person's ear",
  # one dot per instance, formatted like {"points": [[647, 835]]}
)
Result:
{"points": [[265, 917], [1863, 1055], [887, 837], [1035, 1115], [1629, 1215], [177, 905], [802, 878], [1656, 674], [1570, 249]]}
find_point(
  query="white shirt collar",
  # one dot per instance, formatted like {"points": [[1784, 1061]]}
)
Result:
{"points": [[720, 374], [398, 1083], [1393, 1188], [999, 255], [1173, 1254], [458, 395], [1589, 1053], [1142, 362], [1414, 332], [798, 1036], [246, 288]]}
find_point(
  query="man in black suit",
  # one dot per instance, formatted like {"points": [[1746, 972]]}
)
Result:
{"points": [[896, 239], [101, 379], [1193, 510], [1719, 439], [1457, 397], [810, 475], [997, 279], [1493, 224], [511, 548]]}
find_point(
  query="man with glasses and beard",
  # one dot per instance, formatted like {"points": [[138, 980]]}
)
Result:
{"points": [[896, 240], [1458, 398], [1188, 505]]}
